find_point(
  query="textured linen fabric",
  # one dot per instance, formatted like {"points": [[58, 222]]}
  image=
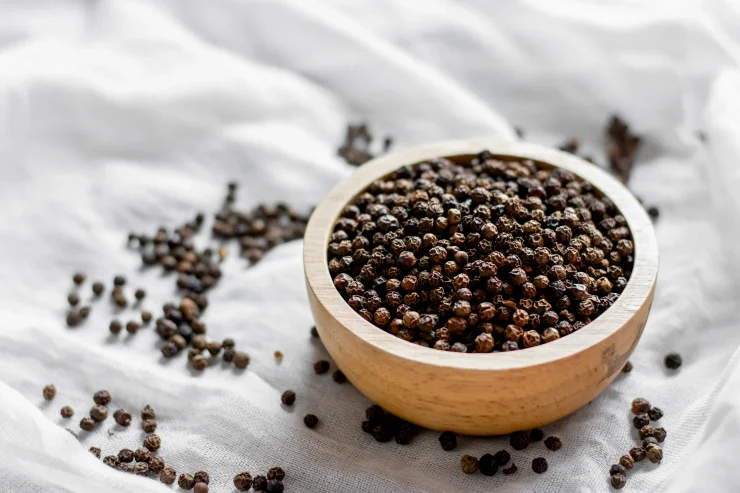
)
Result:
{"points": [[118, 116]]}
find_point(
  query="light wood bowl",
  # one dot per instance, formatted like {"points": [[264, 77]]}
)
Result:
{"points": [[480, 394]]}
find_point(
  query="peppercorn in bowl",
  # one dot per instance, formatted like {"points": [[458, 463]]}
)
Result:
{"points": [[480, 286]]}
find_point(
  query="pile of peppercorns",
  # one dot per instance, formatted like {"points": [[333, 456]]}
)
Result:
{"points": [[480, 255], [651, 438]]}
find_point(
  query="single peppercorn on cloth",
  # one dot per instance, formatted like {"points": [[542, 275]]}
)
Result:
{"points": [[125, 116]]}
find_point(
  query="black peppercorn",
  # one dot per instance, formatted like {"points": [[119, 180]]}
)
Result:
{"points": [[202, 477], [535, 435], [185, 481], [618, 481], [553, 443], [640, 406], [115, 327], [311, 420], [488, 465], [627, 367], [259, 483], [617, 469], [156, 464], [95, 451], [338, 376], [102, 397], [122, 417], [99, 413], [87, 424], [152, 442], [650, 440], [169, 349], [73, 299], [149, 425], [168, 475], [640, 420], [288, 397], [119, 281], [148, 413], [110, 461], [673, 361], [132, 327], [49, 392], [502, 457], [321, 366], [141, 469], [518, 440], [448, 440], [125, 455], [655, 413], [539, 465], [67, 412], [243, 481], [627, 461], [314, 332], [275, 486], [73, 318], [228, 354], [241, 360], [276, 472], [659, 434], [637, 453], [142, 454], [654, 453], [140, 294], [78, 278], [85, 311], [98, 288]]}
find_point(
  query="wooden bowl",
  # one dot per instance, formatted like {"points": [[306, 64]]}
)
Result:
{"points": [[480, 394]]}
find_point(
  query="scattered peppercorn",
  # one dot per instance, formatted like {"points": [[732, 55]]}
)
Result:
{"points": [[640, 406], [140, 294], [243, 481], [539, 465], [627, 461], [553, 443], [518, 440], [659, 434], [502, 457], [142, 454], [488, 465], [241, 360], [119, 281], [228, 355], [49, 392], [653, 212], [122, 417], [67, 412], [535, 435], [73, 299], [276, 472], [510, 470], [469, 464], [199, 362], [640, 420], [85, 311], [673, 361], [311, 420], [649, 441], [87, 424], [110, 461], [185, 481], [275, 486], [156, 464], [627, 367], [98, 288], [95, 451], [655, 413], [448, 440], [148, 413], [123, 467], [321, 366], [126, 455], [99, 413], [102, 397], [338, 376], [202, 477], [619, 481], [259, 483], [152, 442], [617, 469], [78, 278], [168, 475], [288, 397], [115, 327], [314, 332], [73, 318], [654, 453], [132, 327], [141, 469], [637, 453]]}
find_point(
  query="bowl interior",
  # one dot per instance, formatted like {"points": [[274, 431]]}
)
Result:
{"points": [[638, 288]]}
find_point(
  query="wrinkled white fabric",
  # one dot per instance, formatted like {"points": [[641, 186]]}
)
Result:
{"points": [[122, 116]]}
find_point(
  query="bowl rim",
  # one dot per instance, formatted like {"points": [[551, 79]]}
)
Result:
{"points": [[635, 295]]}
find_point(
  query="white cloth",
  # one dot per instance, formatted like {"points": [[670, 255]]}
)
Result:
{"points": [[121, 116]]}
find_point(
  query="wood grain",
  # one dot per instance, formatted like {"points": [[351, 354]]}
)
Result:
{"points": [[480, 394]]}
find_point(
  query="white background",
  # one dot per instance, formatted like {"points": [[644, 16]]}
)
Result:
{"points": [[125, 115]]}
